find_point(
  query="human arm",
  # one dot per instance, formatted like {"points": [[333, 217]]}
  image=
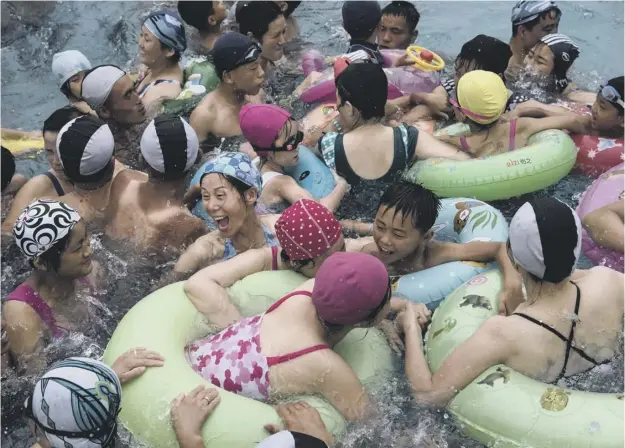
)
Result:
{"points": [[201, 121], [437, 101], [511, 293], [154, 97], [605, 225], [24, 331], [189, 412], [207, 288], [361, 228], [291, 192], [300, 417], [488, 346], [37, 187], [429, 147], [581, 96], [536, 109], [530, 126]]}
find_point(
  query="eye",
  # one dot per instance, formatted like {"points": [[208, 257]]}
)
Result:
{"points": [[398, 236]]}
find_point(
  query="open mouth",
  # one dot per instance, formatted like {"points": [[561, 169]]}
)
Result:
{"points": [[222, 223]]}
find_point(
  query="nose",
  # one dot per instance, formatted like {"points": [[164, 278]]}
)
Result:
{"points": [[211, 205], [88, 250], [386, 37], [385, 239]]}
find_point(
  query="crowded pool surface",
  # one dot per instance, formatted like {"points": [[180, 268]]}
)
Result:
{"points": [[258, 223]]}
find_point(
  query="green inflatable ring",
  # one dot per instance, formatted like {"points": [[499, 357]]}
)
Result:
{"points": [[166, 320], [547, 158], [503, 408]]}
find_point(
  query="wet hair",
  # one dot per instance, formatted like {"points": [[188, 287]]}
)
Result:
{"points": [[255, 17], [406, 10], [532, 23], [487, 53], [365, 86], [297, 264], [617, 83], [414, 201], [60, 117], [52, 257], [196, 13], [8, 167]]}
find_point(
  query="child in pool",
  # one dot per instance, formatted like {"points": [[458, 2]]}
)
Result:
{"points": [[403, 239], [275, 136], [481, 101]]}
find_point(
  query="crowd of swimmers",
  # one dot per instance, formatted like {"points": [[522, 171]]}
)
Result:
{"points": [[119, 165]]}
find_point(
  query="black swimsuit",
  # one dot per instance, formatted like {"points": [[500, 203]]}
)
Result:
{"points": [[55, 182], [569, 341]]}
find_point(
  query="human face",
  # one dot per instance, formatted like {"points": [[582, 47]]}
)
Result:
{"points": [[151, 52], [547, 25], [247, 78], [605, 116], [396, 237], [274, 39], [540, 59], [290, 134], [393, 33], [219, 14], [76, 260], [49, 145], [75, 83], [224, 204], [123, 104]]}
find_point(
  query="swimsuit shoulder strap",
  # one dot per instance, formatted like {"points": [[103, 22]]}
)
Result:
{"points": [[274, 258], [342, 165], [273, 360], [512, 135], [570, 345], [269, 176], [288, 296], [24, 293], [464, 144], [55, 183], [541, 324]]}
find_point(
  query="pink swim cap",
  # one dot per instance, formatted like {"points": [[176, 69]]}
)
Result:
{"points": [[349, 286], [261, 123]]}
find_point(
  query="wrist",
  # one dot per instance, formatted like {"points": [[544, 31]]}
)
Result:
{"points": [[189, 440]]}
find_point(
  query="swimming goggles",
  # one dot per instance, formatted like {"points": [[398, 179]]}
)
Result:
{"points": [[468, 113], [252, 53], [611, 95], [291, 144]]}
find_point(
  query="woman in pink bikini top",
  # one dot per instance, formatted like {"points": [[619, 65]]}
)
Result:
{"points": [[54, 238], [288, 349]]}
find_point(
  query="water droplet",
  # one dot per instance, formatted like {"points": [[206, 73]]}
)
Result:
{"points": [[595, 427]]}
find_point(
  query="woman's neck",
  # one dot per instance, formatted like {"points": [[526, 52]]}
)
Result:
{"points": [[251, 234], [536, 292], [271, 166], [366, 125], [209, 36], [160, 68], [51, 287]]}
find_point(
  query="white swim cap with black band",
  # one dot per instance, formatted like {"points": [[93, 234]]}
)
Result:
{"points": [[169, 145], [85, 148], [98, 84], [546, 239]]}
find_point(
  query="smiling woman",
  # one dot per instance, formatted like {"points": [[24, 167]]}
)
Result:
{"points": [[265, 22]]}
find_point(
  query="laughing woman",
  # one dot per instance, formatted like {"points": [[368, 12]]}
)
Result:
{"points": [[230, 186], [161, 44]]}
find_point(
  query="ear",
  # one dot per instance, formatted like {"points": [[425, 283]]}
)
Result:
{"points": [[251, 196], [283, 6], [415, 35], [103, 112], [428, 235], [39, 264], [212, 21], [227, 78]]}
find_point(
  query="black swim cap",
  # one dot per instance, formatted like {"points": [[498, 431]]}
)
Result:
{"points": [[488, 53], [365, 86], [232, 50], [360, 19], [8, 167], [564, 54]]}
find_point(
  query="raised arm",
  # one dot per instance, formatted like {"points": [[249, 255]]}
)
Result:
{"points": [[605, 225], [429, 147], [572, 123]]}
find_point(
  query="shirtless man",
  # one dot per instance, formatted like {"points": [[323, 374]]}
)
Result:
{"points": [[206, 18], [51, 184], [148, 211], [85, 149], [111, 93], [531, 20], [236, 59]]}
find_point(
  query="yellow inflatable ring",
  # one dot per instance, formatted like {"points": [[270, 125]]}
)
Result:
{"points": [[425, 59], [19, 145]]}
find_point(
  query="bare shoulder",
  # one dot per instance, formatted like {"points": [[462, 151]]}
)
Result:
{"points": [[364, 244], [270, 220], [19, 315]]}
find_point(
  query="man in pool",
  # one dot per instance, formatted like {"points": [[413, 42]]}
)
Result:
{"points": [[403, 239], [531, 20], [147, 211], [398, 28], [111, 93], [236, 59], [206, 18]]}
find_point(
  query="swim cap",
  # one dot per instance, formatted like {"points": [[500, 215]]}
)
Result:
{"points": [[237, 165], [76, 404], [42, 224], [261, 123], [545, 238], [169, 145], [360, 19], [68, 63], [232, 50], [85, 149], [526, 11], [365, 86], [306, 230], [8, 167], [564, 54], [98, 83], [291, 439], [167, 28], [349, 286], [483, 95]]}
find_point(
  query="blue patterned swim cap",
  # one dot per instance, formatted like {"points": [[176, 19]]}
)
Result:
{"points": [[237, 165]]}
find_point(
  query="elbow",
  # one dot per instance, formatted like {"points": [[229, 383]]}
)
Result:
{"points": [[429, 398]]}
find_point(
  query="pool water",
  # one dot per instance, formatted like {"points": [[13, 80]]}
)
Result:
{"points": [[107, 33]]}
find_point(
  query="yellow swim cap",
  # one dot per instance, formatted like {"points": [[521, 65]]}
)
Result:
{"points": [[482, 95]]}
